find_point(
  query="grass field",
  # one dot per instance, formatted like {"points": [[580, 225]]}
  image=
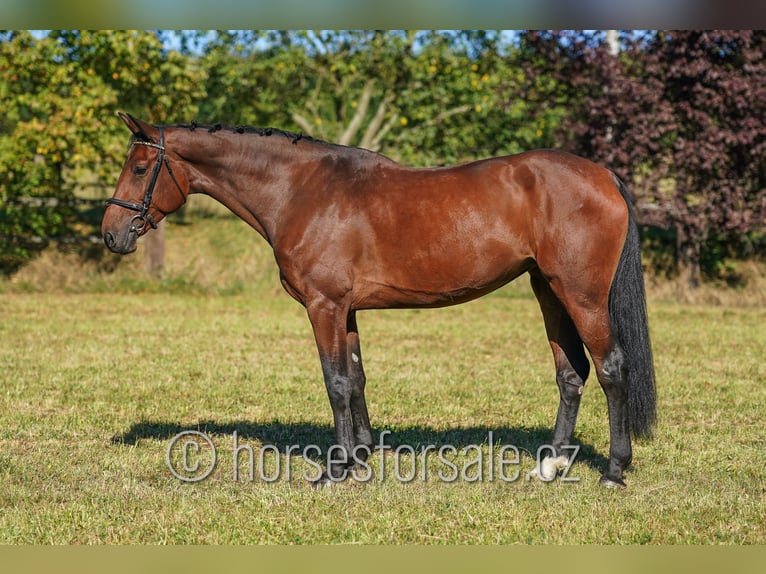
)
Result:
{"points": [[98, 376]]}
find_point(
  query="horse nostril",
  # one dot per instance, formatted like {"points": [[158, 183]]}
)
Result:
{"points": [[109, 240]]}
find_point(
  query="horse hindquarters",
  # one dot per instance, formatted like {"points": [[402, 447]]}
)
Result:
{"points": [[600, 288]]}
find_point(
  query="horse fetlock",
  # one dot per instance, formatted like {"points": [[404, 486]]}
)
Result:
{"points": [[362, 452], [548, 468]]}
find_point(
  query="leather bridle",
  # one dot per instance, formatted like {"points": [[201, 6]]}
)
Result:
{"points": [[143, 208]]}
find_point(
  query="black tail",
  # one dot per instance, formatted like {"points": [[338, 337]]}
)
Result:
{"points": [[627, 311]]}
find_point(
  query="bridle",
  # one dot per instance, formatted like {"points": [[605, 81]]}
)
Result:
{"points": [[143, 208]]}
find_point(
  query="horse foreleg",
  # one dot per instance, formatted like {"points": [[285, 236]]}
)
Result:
{"points": [[361, 419], [341, 377]]}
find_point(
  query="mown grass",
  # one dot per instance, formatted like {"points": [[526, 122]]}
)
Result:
{"points": [[94, 385]]}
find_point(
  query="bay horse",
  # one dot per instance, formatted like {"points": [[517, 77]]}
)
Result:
{"points": [[352, 230]]}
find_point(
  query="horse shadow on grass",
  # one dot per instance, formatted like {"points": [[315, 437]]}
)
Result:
{"points": [[297, 436]]}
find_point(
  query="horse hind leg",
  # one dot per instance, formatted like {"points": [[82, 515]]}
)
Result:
{"points": [[572, 369], [613, 377], [594, 327]]}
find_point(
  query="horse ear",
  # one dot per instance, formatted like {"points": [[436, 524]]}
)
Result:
{"points": [[139, 128]]}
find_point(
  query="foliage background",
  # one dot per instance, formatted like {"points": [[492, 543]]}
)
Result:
{"points": [[679, 115]]}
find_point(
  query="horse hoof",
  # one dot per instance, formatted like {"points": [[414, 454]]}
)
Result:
{"points": [[327, 481], [612, 482], [323, 481]]}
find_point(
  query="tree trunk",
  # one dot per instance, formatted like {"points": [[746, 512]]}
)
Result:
{"points": [[689, 261], [613, 42], [155, 251]]}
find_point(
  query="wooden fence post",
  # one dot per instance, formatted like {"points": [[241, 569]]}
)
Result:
{"points": [[154, 256]]}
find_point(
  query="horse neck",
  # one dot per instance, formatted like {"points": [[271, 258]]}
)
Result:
{"points": [[252, 175]]}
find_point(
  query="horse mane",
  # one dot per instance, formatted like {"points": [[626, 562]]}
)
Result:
{"points": [[265, 132]]}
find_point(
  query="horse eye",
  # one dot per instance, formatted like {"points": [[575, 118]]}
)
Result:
{"points": [[139, 170]]}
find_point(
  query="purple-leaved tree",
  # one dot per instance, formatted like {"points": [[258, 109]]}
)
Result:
{"points": [[679, 115]]}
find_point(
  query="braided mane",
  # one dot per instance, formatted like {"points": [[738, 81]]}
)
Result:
{"points": [[265, 132]]}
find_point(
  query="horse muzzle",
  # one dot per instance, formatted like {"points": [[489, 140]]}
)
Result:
{"points": [[121, 242]]}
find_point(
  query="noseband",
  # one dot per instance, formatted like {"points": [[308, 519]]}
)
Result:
{"points": [[143, 208]]}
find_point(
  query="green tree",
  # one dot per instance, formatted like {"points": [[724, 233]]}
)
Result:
{"points": [[421, 97], [58, 126], [459, 101]]}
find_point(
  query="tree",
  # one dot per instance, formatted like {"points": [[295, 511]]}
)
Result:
{"points": [[679, 115], [45, 101], [713, 108], [57, 124], [422, 97]]}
